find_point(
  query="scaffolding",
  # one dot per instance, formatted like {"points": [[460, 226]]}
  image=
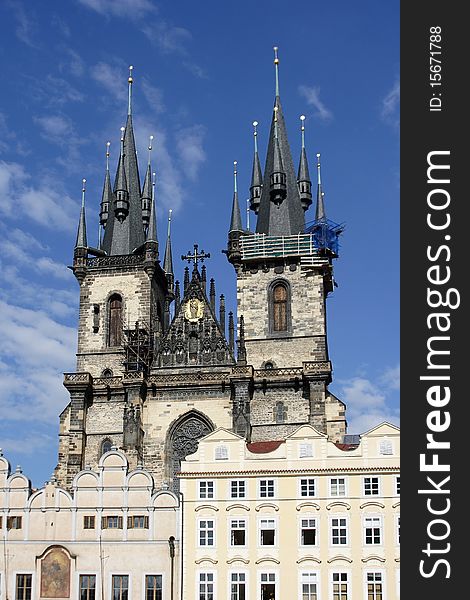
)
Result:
{"points": [[138, 346]]}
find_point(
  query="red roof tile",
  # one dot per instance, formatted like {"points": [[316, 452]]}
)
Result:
{"points": [[264, 447]]}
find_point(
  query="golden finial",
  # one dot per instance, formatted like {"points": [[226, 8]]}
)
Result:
{"points": [[276, 67], [108, 144], [150, 146], [318, 169], [255, 134], [169, 221], [302, 129], [235, 163], [83, 192], [130, 81]]}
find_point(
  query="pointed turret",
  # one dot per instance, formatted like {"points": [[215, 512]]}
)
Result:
{"points": [[236, 219], [152, 226], [280, 209], [256, 175], [147, 190], [121, 203], [151, 243], [278, 178], [236, 227], [125, 229], [81, 233], [81, 245], [320, 210], [168, 259], [107, 198], [303, 177]]}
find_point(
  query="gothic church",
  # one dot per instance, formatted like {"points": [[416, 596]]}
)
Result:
{"points": [[160, 365]]}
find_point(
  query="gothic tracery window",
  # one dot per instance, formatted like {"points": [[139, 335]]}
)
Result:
{"points": [[115, 320], [280, 412], [106, 446]]}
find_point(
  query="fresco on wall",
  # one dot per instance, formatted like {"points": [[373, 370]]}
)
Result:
{"points": [[55, 574]]}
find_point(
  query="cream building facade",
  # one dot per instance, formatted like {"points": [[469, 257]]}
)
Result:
{"points": [[111, 536], [303, 518]]}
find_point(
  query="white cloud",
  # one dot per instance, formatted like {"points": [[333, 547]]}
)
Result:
{"points": [[390, 105], [153, 95], [35, 350], [56, 129], [43, 204], [312, 96], [134, 9], [366, 401], [26, 27], [189, 145], [391, 378], [111, 77]]}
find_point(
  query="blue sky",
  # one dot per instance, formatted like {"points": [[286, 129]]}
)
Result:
{"points": [[203, 72]]}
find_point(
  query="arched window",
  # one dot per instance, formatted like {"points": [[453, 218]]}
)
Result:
{"points": [[106, 446], [115, 320], [279, 299], [280, 412]]}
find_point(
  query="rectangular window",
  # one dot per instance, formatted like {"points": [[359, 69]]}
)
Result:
{"points": [[308, 532], [237, 586], [111, 522], [267, 532], [206, 490], [309, 586], [266, 488], [372, 530], [138, 522], [371, 486], [305, 450], [120, 587], [238, 488], [237, 532], [397, 485], [339, 532], [206, 586], [14, 522], [340, 585], [268, 586], [24, 584], [206, 533], [338, 486], [153, 587], [88, 522], [87, 585], [374, 586], [307, 488]]}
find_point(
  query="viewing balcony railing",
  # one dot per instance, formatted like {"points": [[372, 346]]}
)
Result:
{"points": [[259, 245]]}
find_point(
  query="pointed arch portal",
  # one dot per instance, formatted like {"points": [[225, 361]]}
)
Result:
{"points": [[183, 440]]}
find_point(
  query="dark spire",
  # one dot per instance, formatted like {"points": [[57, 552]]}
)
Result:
{"points": [[121, 204], [222, 313], [168, 259], [320, 210], [186, 280], [177, 296], [147, 190], [125, 230], [107, 198], [212, 294], [256, 175], [287, 216], [278, 179], [152, 222], [303, 177], [241, 358], [81, 233], [203, 276], [236, 220], [231, 333]]}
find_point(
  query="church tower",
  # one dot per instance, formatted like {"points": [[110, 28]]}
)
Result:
{"points": [[284, 274], [151, 379]]}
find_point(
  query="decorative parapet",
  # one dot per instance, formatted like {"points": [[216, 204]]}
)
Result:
{"points": [[196, 378], [132, 376], [281, 373], [242, 371], [107, 381], [115, 261], [71, 379], [316, 368]]}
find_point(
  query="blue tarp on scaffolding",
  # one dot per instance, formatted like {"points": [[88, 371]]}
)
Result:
{"points": [[325, 234]]}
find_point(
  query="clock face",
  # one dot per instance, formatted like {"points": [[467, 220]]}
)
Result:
{"points": [[193, 310]]}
